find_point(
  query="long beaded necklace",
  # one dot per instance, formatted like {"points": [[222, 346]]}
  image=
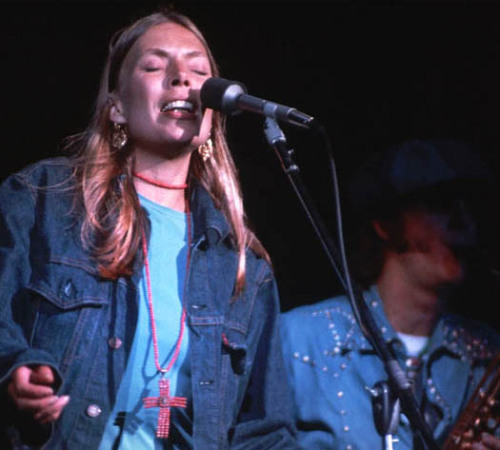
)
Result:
{"points": [[164, 401]]}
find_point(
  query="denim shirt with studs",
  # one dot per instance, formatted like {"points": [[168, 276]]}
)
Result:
{"points": [[333, 369]]}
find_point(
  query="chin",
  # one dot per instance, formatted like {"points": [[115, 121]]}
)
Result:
{"points": [[185, 132], [179, 138], [183, 144]]}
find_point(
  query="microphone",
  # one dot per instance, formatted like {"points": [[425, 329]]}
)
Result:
{"points": [[230, 97]]}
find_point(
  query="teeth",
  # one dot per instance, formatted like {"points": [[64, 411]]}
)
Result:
{"points": [[178, 104]]}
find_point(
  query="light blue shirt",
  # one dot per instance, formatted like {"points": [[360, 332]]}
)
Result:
{"points": [[167, 254]]}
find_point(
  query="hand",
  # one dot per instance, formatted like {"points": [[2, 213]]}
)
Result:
{"points": [[31, 388], [488, 442]]}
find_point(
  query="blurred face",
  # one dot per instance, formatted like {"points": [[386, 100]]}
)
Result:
{"points": [[435, 242], [159, 86]]}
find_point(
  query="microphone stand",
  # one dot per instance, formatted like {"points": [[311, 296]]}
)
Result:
{"points": [[397, 376], [386, 411]]}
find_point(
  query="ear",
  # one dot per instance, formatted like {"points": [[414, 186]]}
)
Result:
{"points": [[116, 112], [380, 229]]}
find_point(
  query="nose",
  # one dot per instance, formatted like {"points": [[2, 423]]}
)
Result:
{"points": [[178, 75], [180, 79]]}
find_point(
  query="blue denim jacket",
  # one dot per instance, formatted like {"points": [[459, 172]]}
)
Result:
{"points": [[332, 366], [56, 310]]}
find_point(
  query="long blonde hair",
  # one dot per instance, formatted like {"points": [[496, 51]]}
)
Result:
{"points": [[113, 218]]}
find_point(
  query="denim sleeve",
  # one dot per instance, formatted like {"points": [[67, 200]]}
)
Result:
{"points": [[17, 220], [265, 420]]}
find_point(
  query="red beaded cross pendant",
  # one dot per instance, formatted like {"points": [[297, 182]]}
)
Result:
{"points": [[164, 402]]}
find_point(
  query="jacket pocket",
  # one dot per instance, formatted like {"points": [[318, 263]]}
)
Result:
{"points": [[69, 307], [68, 285]]}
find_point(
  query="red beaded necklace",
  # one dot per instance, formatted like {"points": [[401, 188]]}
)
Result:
{"points": [[164, 401], [159, 183]]}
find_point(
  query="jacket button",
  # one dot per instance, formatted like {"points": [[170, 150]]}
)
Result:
{"points": [[115, 343], [68, 289], [93, 411], [198, 307]]}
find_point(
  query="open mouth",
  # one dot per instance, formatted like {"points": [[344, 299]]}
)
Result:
{"points": [[179, 106]]}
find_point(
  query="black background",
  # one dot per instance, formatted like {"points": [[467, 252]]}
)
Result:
{"points": [[373, 73]]}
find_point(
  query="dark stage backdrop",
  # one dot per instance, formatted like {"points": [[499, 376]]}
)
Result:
{"points": [[373, 74]]}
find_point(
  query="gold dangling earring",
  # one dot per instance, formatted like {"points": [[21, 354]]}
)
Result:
{"points": [[119, 137], [206, 150]]}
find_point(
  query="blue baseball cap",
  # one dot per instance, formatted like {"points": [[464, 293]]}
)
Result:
{"points": [[414, 168]]}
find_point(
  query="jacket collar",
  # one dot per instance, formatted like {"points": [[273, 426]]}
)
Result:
{"points": [[208, 221]]}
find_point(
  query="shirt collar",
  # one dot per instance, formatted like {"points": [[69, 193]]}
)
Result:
{"points": [[451, 334]]}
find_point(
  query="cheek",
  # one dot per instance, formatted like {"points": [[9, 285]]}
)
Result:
{"points": [[425, 235], [421, 240], [444, 261], [136, 96]]}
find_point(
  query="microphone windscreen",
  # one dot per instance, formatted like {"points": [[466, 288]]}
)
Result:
{"points": [[218, 93]]}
